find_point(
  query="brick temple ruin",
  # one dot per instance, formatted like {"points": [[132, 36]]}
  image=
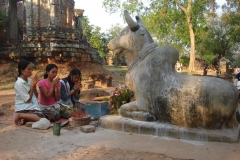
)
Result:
{"points": [[44, 30]]}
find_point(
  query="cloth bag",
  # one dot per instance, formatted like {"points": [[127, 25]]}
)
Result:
{"points": [[43, 123]]}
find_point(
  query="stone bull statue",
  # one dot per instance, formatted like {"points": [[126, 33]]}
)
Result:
{"points": [[163, 94]]}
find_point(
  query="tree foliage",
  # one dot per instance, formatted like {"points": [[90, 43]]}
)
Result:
{"points": [[3, 17], [112, 33], [95, 37], [177, 22], [231, 19], [216, 41], [222, 38]]}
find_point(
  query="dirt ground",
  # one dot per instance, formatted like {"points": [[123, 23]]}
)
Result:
{"points": [[22, 143]]}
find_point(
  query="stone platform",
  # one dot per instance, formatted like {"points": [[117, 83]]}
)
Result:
{"points": [[119, 123]]}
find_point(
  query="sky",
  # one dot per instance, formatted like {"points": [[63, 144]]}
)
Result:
{"points": [[98, 17]]}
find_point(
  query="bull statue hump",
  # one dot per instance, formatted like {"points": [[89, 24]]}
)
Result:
{"points": [[161, 94]]}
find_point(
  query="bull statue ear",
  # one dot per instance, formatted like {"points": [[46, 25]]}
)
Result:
{"points": [[132, 25], [139, 20]]}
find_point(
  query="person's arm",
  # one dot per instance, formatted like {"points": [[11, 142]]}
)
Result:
{"points": [[77, 87], [31, 91], [33, 88], [77, 95], [43, 89], [35, 92], [22, 91], [57, 92], [45, 93], [65, 94]]}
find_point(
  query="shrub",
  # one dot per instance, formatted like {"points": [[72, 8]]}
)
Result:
{"points": [[120, 96]]}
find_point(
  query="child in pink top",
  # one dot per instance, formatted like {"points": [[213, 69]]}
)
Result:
{"points": [[50, 92]]}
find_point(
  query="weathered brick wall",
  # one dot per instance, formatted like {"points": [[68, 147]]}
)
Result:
{"points": [[3, 5], [20, 20], [35, 12], [3, 33], [58, 13], [70, 13], [47, 31], [44, 19]]}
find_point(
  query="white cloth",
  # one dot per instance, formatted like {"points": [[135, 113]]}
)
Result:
{"points": [[43, 123], [238, 85], [22, 89]]}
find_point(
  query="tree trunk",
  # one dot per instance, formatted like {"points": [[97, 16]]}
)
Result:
{"points": [[192, 50], [187, 11]]}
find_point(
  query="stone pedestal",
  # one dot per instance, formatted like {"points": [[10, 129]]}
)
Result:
{"points": [[166, 130]]}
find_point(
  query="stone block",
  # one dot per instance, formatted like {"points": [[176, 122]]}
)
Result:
{"points": [[88, 128], [93, 123], [117, 125], [87, 84], [130, 126], [167, 130], [147, 128], [58, 58]]}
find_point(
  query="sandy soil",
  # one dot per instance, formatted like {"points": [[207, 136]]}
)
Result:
{"points": [[23, 143]]}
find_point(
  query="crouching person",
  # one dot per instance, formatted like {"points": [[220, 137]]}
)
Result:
{"points": [[26, 105]]}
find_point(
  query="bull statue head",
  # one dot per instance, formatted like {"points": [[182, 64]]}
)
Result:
{"points": [[132, 39]]}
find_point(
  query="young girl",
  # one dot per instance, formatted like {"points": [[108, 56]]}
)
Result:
{"points": [[50, 92], [70, 88], [26, 105]]}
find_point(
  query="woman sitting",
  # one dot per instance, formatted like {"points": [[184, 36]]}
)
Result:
{"points": [[70, 88], [26, 105], [50, 93]]}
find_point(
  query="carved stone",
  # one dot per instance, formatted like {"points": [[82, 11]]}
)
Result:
{"points": [[163, 94]]}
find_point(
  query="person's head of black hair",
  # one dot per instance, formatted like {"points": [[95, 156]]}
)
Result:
{"points": [[21, 66], [48, 68]]}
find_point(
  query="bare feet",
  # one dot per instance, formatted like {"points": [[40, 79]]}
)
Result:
{"points": [[16, 119]]}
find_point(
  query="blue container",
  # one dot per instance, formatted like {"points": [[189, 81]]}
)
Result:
{"points": [[97, 109]]}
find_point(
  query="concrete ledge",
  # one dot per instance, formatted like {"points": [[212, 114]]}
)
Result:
{"points": [[119, 123]]}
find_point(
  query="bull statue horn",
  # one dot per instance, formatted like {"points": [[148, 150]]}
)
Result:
{"points": [[133, 25]]}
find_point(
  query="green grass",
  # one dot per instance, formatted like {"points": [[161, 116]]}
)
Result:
{"points": [[120, 70], [115, 68]]}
